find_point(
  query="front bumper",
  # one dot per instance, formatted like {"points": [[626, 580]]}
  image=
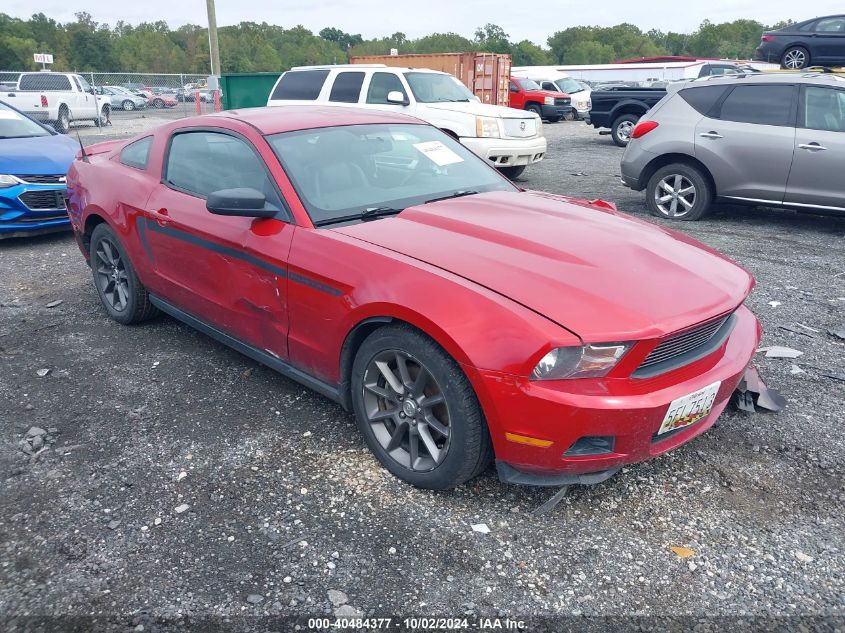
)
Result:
{"points": [[18, 220], [630, 411], [557, 112], [508, 152]]}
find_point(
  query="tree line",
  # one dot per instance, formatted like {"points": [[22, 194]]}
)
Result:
{"points": [[153, 47]]}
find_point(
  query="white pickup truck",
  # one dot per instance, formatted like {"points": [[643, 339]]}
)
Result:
{"points": [[58, 99], [510, 139]]}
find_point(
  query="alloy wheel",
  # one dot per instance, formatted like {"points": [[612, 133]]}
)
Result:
{"points": [[112, 279], [675, 195], [624, 129], [795, 59], [406, 410]]}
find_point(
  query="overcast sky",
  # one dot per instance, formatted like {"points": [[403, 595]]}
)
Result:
{"points": [[534, 20]]}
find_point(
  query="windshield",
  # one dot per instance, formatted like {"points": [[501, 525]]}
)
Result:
{"points": [[433, 87], [569, 85], [529, 84], [343, 171], [15, 125]]}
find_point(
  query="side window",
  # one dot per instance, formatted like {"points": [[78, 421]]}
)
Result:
{"points": [[300, 85], [201, 163], [137, 154], [381, 85], [824, 109], [763, 105], [347, 87], [704, 98], [548, 85], [86, 87], [831, 25]]}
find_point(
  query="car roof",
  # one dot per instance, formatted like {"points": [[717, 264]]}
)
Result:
{"points": [[819, 78], [362, 67], [289, 118]]}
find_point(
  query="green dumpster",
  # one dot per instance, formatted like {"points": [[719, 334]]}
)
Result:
{"points": [[246, 90]]}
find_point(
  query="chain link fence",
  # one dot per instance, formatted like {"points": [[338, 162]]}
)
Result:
{"points": [[140, 100]]}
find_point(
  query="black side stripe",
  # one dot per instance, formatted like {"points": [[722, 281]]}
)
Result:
{"points": [[230, 252]]}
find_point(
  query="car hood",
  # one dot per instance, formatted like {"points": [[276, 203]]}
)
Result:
{"points": [[51, 154], [480, 109], [601, 274]]}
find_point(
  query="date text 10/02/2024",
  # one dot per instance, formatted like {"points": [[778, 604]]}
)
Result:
{"points": [[417, 624]]}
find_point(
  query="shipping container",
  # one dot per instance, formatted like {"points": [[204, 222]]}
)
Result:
{"points": [[486, 74]]}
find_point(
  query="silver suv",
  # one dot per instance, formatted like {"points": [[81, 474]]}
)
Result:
{"points": [[769, 139]]}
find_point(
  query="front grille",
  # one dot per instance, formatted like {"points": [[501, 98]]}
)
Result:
{"points": [[43, 218], [50, 179], [562, 101], [683, 343], [520, 128], [43, 200]]}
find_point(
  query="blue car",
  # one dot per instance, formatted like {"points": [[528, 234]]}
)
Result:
{"points": [[34, 160]]}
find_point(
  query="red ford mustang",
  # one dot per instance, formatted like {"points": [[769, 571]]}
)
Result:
{"points": [[376, 260]]}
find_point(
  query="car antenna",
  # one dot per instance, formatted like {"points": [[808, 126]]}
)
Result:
{"points": [[81, 147]]}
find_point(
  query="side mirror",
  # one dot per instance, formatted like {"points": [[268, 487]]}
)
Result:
{"points": [[243, 202], [394, 96]]}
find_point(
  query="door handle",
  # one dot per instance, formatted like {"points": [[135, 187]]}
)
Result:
{"points": [[161, 216], [711, 135], [813, 147]]}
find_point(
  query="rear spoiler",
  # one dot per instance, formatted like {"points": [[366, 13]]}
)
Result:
{"points": [[100, 148]]}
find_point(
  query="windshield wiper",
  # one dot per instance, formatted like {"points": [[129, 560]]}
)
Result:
{"points": [[370, 213], [457, 194]]}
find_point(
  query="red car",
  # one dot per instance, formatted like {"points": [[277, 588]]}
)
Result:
{"points": [[376, 260], [161, 101]]}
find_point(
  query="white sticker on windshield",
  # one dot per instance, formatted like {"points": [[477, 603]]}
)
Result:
{"points": [[8, 114], [438, 153]]}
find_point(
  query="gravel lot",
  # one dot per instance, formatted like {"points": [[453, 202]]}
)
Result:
{"points": [[182, 480]]}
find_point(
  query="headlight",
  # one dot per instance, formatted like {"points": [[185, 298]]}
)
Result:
{"points": [[589, 361], [486, 127], [7, 181], [549, 100]]}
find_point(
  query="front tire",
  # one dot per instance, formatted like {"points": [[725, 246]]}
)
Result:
{"points": [[622, 127], [795, 58], [417, 410], [533, 107], [158, 103], [679, 192], [553, 119], [105, 117], [121, 292], [512, 172]]}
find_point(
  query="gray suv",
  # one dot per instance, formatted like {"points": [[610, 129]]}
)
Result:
{"points": [[770, 140]]}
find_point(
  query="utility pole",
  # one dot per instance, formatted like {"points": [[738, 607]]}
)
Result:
{"points": [[212, 38]]}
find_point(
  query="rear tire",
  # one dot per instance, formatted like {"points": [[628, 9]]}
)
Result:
{"points": [[795, 58], [553, 119], [158, 103], [622, 127], [512, 172], [62, 124], [396, 371], [128, 105], [121, 292], [679, 192]]}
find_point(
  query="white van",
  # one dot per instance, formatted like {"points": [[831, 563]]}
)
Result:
{"points": [[510, 139]]}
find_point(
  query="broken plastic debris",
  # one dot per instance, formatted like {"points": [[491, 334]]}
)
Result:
{"points": [[795, 369], [751, 385], [181, 508], [55, 303], [779, 351], [794, 330], [43, 372], [774, 304], [683, 552], [480, 527], [838, 331], [552, 502], [836, 375]]}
